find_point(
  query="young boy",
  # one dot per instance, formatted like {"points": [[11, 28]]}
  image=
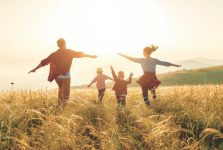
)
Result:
{"points": [[149, 81], [120, 86], [100, 79]]}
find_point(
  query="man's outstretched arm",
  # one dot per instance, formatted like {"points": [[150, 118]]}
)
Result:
{"points": [[41, 64], [76, 54], [37, 67], [90, 56]]}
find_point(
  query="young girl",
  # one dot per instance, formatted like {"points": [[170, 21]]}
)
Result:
{"points": [[149, 81], [120, 86], [100, 79]]}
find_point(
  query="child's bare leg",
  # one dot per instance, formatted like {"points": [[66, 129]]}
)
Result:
{"points": [[153, 91]]}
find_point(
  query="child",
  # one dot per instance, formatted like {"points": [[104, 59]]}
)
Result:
{"points": [[149, 81], [120, 86], [100, 79]]}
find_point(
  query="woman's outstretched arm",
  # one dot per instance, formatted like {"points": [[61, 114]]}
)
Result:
{"points": [[137, 60], [175, 65], [167, 64]]}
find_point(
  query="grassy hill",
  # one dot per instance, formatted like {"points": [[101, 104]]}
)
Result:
{"points": [[199, 63], [210, 75]]}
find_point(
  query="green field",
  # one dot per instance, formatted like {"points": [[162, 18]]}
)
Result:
{"points": [[210, 75], [202, 76]]}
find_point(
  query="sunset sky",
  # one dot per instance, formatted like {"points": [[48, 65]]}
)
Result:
{"points": [[183, 29]]}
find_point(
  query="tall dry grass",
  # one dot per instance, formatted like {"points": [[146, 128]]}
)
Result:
{"points": [[185, 117]]}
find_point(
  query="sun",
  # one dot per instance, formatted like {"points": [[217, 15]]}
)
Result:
{"points": [[108, 27]]}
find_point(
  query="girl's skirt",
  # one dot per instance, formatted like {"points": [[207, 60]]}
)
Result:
{"points": [[149, 81]]}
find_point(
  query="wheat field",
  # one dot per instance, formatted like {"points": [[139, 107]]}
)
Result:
{"points": [[183, 118]]}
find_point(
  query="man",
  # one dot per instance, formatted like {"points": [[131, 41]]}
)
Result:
{"points": [[60, 63]]}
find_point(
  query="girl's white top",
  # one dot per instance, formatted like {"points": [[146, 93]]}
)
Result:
{"points": [[149, 64]]}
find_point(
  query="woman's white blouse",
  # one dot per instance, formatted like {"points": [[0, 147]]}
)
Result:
{"points": [[149, 64]]}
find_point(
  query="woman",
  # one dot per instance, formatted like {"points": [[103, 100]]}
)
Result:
{"points": [[149, 81]]}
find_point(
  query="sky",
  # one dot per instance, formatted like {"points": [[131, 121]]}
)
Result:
{"points": [[29, 29]]}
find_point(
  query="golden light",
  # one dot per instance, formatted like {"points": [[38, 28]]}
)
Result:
{"points": [[107, 27]]}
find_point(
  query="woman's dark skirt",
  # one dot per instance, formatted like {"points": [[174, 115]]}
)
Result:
{"points": [[149, 81]]}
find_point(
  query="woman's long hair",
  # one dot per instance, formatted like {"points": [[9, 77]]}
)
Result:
{"points": [[150, 49]]}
